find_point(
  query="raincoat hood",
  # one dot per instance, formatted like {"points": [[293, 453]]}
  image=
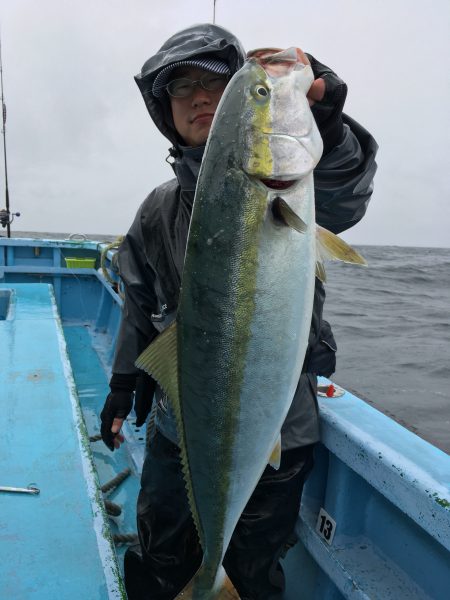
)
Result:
{"points": [[198, 40]]}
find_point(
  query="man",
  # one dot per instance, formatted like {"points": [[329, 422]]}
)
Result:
{"points": [[182, 85]]}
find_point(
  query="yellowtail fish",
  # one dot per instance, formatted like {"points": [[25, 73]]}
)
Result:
{"points": [[231, 361]]}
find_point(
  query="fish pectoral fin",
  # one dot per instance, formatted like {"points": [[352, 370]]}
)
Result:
{"points": [[220, 589], [275, 457], [320, 271], [330, 246], [160, 360], [283, 213]]}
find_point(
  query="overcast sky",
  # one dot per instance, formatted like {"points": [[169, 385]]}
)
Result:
{"points": [[83, 152]]}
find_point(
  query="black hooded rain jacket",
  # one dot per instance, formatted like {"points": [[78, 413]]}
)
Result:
{"points": [[151, 256]]}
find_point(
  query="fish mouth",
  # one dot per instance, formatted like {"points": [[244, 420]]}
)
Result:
{"points": [[278, 184]]}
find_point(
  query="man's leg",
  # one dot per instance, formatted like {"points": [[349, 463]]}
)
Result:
{"points": [[169, 552], [266, 525]]}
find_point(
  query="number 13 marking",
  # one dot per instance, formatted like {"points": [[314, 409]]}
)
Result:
{"points": [[325, 526]]}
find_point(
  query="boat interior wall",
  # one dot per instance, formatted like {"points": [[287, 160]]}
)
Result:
{"points": [[82, 294], [375, 517], [45, 445], [386, 493], [377, 550]]}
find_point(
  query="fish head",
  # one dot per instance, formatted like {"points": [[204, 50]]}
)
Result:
{"points": [[279, 139]]}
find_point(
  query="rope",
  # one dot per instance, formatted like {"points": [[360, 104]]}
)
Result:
{"points": [[112, 509], [77, 236], [117, 480]]}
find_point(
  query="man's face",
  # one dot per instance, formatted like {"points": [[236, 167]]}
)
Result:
{"points": [[192, 116]]}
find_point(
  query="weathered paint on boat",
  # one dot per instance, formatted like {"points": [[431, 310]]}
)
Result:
{"points": [[385, 492]]}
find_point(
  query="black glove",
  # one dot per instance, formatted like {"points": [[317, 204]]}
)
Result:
{"points": [[119, 402], [143, 399], [328, 112], [322, 354], [118, 405]]}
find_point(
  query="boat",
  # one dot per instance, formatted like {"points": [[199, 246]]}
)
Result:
{"points": [[375, 514]]}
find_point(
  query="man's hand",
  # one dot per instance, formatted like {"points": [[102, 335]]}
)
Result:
{"points": [[119, 403], [117, 407], [316, 91], [318, 87], [328, 110], [326, 95], [277, 62], [118, 437]]}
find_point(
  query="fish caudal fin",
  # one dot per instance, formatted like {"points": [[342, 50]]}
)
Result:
{"points": [[330, 246], [222, 589]]}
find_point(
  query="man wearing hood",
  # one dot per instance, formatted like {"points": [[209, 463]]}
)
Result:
{"points": [[181, 86]]}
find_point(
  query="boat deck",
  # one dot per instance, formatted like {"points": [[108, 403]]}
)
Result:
{"points": [[65, 522]]}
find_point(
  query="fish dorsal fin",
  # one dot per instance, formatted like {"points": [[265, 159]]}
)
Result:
{"points": [[160, 360], [275, 457], [283, 213], [330, 246]]}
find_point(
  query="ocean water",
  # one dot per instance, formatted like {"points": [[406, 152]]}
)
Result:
{"points": [[391, 322]]}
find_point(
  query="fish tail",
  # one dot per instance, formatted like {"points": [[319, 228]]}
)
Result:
{"points": [[221, 589]]}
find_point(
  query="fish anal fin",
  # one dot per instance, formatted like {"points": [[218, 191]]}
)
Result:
{"points": [[221, 589], [160, 360], [275, 457], [330, 246], [283, 213]]}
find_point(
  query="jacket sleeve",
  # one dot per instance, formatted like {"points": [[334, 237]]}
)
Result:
{"points": [[136, 329], [343, 179]]}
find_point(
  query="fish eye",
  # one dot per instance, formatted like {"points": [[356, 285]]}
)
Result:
{"points": [[260, 91]]}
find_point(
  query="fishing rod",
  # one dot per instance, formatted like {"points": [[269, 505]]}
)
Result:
{"points": [[5, 215]]}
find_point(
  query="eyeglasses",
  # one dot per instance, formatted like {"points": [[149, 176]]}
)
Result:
{"points": [[183, 88]]}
